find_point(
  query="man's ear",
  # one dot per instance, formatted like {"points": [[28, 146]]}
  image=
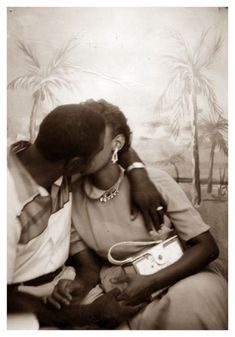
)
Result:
{"points": [[118, 142], [73, 166]]}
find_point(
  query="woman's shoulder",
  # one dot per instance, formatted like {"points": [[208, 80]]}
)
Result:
{"points": [[161, 177]]}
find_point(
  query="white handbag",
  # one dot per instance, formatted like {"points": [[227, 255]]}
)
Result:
{"points": [[150, 260]]}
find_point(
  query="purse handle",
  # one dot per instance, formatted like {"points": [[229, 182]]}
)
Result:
{"points": [[129, 243]]}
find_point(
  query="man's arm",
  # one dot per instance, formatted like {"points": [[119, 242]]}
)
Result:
{"points": [[87, 276], [144, 194], [104, 312]]}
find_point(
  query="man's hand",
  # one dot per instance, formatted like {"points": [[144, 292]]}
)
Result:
{"points": [[112, 312], [146, 197], [138, 288], [67, 292]]}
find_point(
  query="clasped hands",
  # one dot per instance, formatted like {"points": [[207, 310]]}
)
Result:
{"points": [[108, 308], [70, 292]]}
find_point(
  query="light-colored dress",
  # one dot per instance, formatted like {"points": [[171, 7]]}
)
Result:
{"points": [[197, 302]]}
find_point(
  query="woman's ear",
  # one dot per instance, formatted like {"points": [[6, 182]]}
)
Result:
{"points": [[118, 142]]}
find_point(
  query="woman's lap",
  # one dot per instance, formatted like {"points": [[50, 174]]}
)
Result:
{"points": [[194, 303]]}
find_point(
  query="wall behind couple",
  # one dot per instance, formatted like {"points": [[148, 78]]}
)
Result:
{"points": [[166, 68]]}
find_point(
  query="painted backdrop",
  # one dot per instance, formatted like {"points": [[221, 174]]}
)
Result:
{"points": [[166, 68]]}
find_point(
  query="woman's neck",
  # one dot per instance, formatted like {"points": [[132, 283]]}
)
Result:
{"points": [[106, 177]]}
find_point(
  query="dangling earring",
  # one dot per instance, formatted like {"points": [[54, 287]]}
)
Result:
{"points": [[114, 158]]}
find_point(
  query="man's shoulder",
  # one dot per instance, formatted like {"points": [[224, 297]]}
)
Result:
{"points": [[19, 180]]}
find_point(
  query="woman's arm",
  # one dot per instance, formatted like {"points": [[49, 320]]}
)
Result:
{"points": [[201, 251], [144, 193]]}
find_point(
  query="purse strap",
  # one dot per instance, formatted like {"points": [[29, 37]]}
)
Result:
{"points": [[129, 243]]}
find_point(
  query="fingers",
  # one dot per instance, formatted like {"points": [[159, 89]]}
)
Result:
{"points": [[53, 302], [147, 220], [75, 288], [134, 212], [56, 300], [60, 295], [63, 290], [157, 218]]}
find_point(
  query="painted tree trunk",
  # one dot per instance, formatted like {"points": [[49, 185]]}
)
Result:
{"points": [[211, 165], [33, 117], [177, 173], [196, 186]]}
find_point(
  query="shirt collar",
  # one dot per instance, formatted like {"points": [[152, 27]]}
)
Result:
{"points": [[26, 186]]}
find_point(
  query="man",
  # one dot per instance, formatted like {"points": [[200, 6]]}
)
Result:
{"points": [[39, 224]]}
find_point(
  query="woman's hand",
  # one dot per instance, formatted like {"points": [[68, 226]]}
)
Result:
{"points": [[138, 288], [67, 292]]}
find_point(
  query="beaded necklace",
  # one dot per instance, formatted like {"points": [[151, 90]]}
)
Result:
{"points": [[103, 196]]}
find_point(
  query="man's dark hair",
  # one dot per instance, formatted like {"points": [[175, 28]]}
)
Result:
{"points": [[70, 130], [114, 117]]}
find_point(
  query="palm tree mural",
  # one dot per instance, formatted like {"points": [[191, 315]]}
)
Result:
{"points": [[188, 81], [44, 81], [214, 131], [172, 158]]}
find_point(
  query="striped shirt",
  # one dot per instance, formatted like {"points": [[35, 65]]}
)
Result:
{"points": [[39, 223]]}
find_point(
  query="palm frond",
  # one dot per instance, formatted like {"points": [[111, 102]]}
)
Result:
{"points": [[167, 100], [49, 96], [209, 93], [58, 82], [29, 55], [215, 131], [24, 82], [199, 47], [64, 69], [178, 114], [224, 147], [61, 56], [211, 56], [183, 44]]}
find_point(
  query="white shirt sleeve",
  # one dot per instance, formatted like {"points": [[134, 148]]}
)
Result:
{"points": [[13, 227]]}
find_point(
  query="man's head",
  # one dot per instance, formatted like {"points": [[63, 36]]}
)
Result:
{"points": [[72, 131]]}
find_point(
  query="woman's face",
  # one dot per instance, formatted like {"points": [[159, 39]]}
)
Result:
{"points": [[103, 157]]}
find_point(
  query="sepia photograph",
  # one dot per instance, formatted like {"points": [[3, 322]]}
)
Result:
{"points": [[117, 168]]}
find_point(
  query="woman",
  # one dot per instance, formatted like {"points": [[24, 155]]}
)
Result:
{"points": [[197, 294]]}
